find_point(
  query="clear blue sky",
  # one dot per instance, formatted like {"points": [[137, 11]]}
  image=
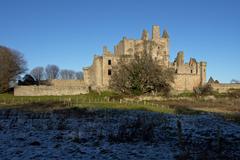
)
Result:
{"points": [[69, 32]]}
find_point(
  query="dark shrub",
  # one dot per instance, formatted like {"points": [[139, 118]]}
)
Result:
{"points": [[138, 130], [203, 90], [234, 93]]}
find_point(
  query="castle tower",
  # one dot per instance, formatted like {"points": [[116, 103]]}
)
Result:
{"points": [[145, 35], [180, 58], [155, 33], [165, 39], [203, 66]]}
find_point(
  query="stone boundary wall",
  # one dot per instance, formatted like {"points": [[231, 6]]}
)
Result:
{"points": [[224, 87], [57, 88], [67, 83]]}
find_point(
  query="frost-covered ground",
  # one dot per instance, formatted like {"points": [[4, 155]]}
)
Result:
{"points": [[111, 134]]}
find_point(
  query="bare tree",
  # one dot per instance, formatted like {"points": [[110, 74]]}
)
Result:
{"points": [[52, 72], [12, 64], [38, 73], [67, 74], [79, 75], [141, 73]]}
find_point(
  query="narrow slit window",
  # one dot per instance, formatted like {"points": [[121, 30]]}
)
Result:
{"points": [[109, 72], [109, 62]]}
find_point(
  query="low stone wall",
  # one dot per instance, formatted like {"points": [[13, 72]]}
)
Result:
{"points": [[224, 87], [57, 88], [67, 83]]}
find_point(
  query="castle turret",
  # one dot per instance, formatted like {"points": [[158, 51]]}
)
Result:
{"points": [[155, 33], [180, 58], [145, 35], [203, 66], [165, 34]]}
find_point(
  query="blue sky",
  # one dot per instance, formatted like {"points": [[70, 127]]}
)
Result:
{"points": [[69, 32]]}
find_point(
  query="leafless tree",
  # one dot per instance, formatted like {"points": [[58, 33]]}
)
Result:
{"points": [[67, 74], [52, 72], [12, 64], [38, 73], [79, 75]]}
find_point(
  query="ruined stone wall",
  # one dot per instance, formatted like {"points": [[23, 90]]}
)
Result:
{"points": [[86, 76], [224, 87], [155, 33], [129, 47], [192, 67], [94, 73], [187, 69], [107, 67], [57, 88], [203, 67], [119, 49], [186, 82], [98, 72]]}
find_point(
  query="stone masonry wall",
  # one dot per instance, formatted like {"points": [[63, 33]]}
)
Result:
{"points": [[67, 83], [57, 88], [224, 87], [184, 82]]}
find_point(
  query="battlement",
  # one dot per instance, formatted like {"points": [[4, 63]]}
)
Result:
{"points": [[155, 33]]}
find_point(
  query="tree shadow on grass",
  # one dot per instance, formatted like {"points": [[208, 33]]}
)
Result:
{"points": [[179, 109]]}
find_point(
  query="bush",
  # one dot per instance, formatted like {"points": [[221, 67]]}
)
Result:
{"points": [[186, 94], [203, 90], [234, 93], [141, 74], [138, 130]]}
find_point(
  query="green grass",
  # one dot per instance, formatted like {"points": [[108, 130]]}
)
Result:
{"points": [[185, 94], [109, 100], [93, 96], [94, 100]]}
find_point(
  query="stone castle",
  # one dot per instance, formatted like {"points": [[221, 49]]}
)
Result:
{"points": [[188, 75]]}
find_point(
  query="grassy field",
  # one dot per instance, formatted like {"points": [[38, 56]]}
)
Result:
{"points": [[223, 106], [105, 100]]}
